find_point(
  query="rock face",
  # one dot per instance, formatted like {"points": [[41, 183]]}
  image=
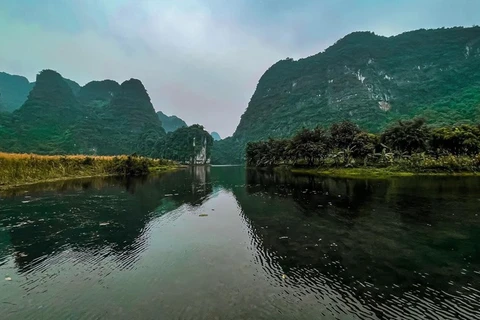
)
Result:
{"points": [[370, 80], [200, 157], [170, 123], [215, 136]]}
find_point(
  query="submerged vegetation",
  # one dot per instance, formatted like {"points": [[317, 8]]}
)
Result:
{"points": [[16, 169], [407, 146]]}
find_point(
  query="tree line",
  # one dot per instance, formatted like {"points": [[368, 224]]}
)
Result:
{"points": [[345, 144]]}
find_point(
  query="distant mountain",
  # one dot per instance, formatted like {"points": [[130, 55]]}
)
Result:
{"points": [[13, 91], [368, 79], [170, 123], [215, 136]]}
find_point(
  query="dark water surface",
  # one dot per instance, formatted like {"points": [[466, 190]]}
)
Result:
{"points": [[273, 246]]}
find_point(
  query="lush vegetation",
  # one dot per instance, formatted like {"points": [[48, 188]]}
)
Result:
{"points": [[405, 146], [370, 80], [18, 169], [170, 123]]}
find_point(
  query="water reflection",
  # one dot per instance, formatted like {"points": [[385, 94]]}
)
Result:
{"points": [[107, 215], [311, 247]]}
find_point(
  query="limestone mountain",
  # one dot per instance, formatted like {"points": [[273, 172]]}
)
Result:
{"points": [[170, 123], [369, 79], [133, 107], [128, 122]]}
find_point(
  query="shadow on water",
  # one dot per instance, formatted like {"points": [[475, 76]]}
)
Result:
{"points": [[397, 248]]}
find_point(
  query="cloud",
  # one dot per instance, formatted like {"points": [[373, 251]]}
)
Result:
{"points": [[199, 60]]}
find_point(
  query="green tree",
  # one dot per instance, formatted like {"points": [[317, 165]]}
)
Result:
{"points": [[407, 136]]}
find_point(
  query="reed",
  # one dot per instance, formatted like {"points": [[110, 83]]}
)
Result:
{"points": [[17, 169]]}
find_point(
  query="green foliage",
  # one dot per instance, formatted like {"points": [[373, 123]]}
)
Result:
{"points": [[462, 139], [364, 144], [407, 136], [343, 134]]}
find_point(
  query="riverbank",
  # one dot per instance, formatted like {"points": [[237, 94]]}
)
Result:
{"points": [[23, 169], [372, 173]]}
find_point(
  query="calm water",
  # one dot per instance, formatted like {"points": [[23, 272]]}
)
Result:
{"points": [[273, 246]]}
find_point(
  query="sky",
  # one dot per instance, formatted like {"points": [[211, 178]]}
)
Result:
{"points": [[198, 59]]}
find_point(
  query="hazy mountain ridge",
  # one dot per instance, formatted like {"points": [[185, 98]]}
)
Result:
{"points": [[170, 123]]}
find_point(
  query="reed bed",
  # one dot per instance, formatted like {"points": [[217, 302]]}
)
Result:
{"points": [[17, 169]]}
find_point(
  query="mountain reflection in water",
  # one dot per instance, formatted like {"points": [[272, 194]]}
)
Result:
{"points": [[272, 246]]}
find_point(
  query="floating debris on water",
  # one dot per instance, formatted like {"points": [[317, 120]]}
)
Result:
{"points": [[283, 237], [8, 279], [104, 223], [284, 276], [203, 215]]}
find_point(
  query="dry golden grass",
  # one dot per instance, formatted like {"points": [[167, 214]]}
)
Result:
{"points": [[16, 169]]}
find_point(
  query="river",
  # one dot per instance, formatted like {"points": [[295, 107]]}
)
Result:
{"points": [[231, 243]]}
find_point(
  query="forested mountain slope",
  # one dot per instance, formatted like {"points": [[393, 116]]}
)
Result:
{"points": [[368, 79]]}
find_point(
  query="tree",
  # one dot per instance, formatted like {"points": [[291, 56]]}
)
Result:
{"points": [[407, 136], [343, 134], [463, 139]]}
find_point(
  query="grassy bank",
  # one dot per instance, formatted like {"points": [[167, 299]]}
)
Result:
{"points": [[374, 173], [18, 169], [418, 164]]}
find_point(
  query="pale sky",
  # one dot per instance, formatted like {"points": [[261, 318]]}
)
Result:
{"points": [[198, 59]]}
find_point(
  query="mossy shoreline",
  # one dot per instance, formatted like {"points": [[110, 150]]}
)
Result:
{"points": [[26, 169], [370, 173]]}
